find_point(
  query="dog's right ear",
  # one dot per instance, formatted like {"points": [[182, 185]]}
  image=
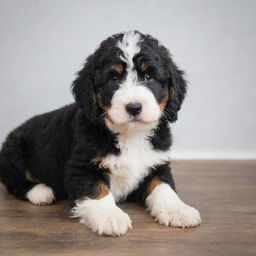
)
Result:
{"points": [[83, 91]]}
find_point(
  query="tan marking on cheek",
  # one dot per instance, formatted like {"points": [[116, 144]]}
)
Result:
{"points": [[105, 108], [100, 104], [109, 119], [118, 68], [154, 183], [29, 177], [103, 191], [144, 65], [164, 100]]}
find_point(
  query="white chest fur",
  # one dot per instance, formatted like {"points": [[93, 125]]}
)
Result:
{"points": [[134, 162]]}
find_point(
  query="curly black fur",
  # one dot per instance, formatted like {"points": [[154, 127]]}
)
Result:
{"points": [[58, 147]]}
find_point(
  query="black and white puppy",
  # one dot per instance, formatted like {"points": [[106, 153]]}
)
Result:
{"points": [[112, 145]]}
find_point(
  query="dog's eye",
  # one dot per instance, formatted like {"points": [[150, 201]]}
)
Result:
{"points": [[114, 79], [147, 77]]}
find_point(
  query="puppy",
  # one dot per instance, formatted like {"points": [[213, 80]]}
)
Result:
{"points": [[112, 144]]}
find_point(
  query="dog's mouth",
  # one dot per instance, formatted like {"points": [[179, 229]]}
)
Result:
{"points": [[135, 119], [137, 122]]}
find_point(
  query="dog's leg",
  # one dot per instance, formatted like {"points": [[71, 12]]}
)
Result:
{"points": [[13, 166], [94, 204], [102, 215], [165, 205]]}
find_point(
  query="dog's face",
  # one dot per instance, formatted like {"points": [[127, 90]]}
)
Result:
{"points": [[130, 82]]}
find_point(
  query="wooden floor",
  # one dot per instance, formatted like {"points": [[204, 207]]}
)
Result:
{"points": [[223, 191]]}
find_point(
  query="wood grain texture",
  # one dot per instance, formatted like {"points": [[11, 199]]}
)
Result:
{"points": [[223, 191]]}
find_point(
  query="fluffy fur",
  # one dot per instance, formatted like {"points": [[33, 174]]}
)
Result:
{"points": [[40, 194], [102, 216], [164, 204], [112, 144]]}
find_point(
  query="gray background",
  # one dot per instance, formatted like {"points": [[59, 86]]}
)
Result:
{"points": [[44, 43]]}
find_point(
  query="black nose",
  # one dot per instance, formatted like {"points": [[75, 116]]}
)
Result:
{"points": [[133, 108]]}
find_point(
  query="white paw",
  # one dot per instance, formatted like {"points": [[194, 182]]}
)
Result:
{"points": [[180, 216], [102, 216], [111, 223], [167, 208], [40, 194]]}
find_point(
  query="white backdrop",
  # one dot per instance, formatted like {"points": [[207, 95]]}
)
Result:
{"points": [[44, 42]]}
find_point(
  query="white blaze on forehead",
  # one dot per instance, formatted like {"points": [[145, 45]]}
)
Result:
{"points": [[129, 45]]}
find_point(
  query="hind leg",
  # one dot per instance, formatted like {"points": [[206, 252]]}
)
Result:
{"points": [[15, 175], [12, 175], [23, 186]]}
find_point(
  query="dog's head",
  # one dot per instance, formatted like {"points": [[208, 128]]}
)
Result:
{"points": [[130, 81]]}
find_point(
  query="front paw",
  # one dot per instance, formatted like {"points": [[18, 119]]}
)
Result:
{"points": [[102, 216], [180, 216], [112, 222]]}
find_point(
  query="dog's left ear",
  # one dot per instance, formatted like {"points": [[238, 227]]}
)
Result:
{"points": [[83, 91], [178, 88]]}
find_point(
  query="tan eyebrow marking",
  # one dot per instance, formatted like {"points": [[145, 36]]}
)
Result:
{"points": [[144, 65], [118, 68]]}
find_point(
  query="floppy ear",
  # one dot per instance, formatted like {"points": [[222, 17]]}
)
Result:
{"points": [[178, 88], [83, 91]]}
